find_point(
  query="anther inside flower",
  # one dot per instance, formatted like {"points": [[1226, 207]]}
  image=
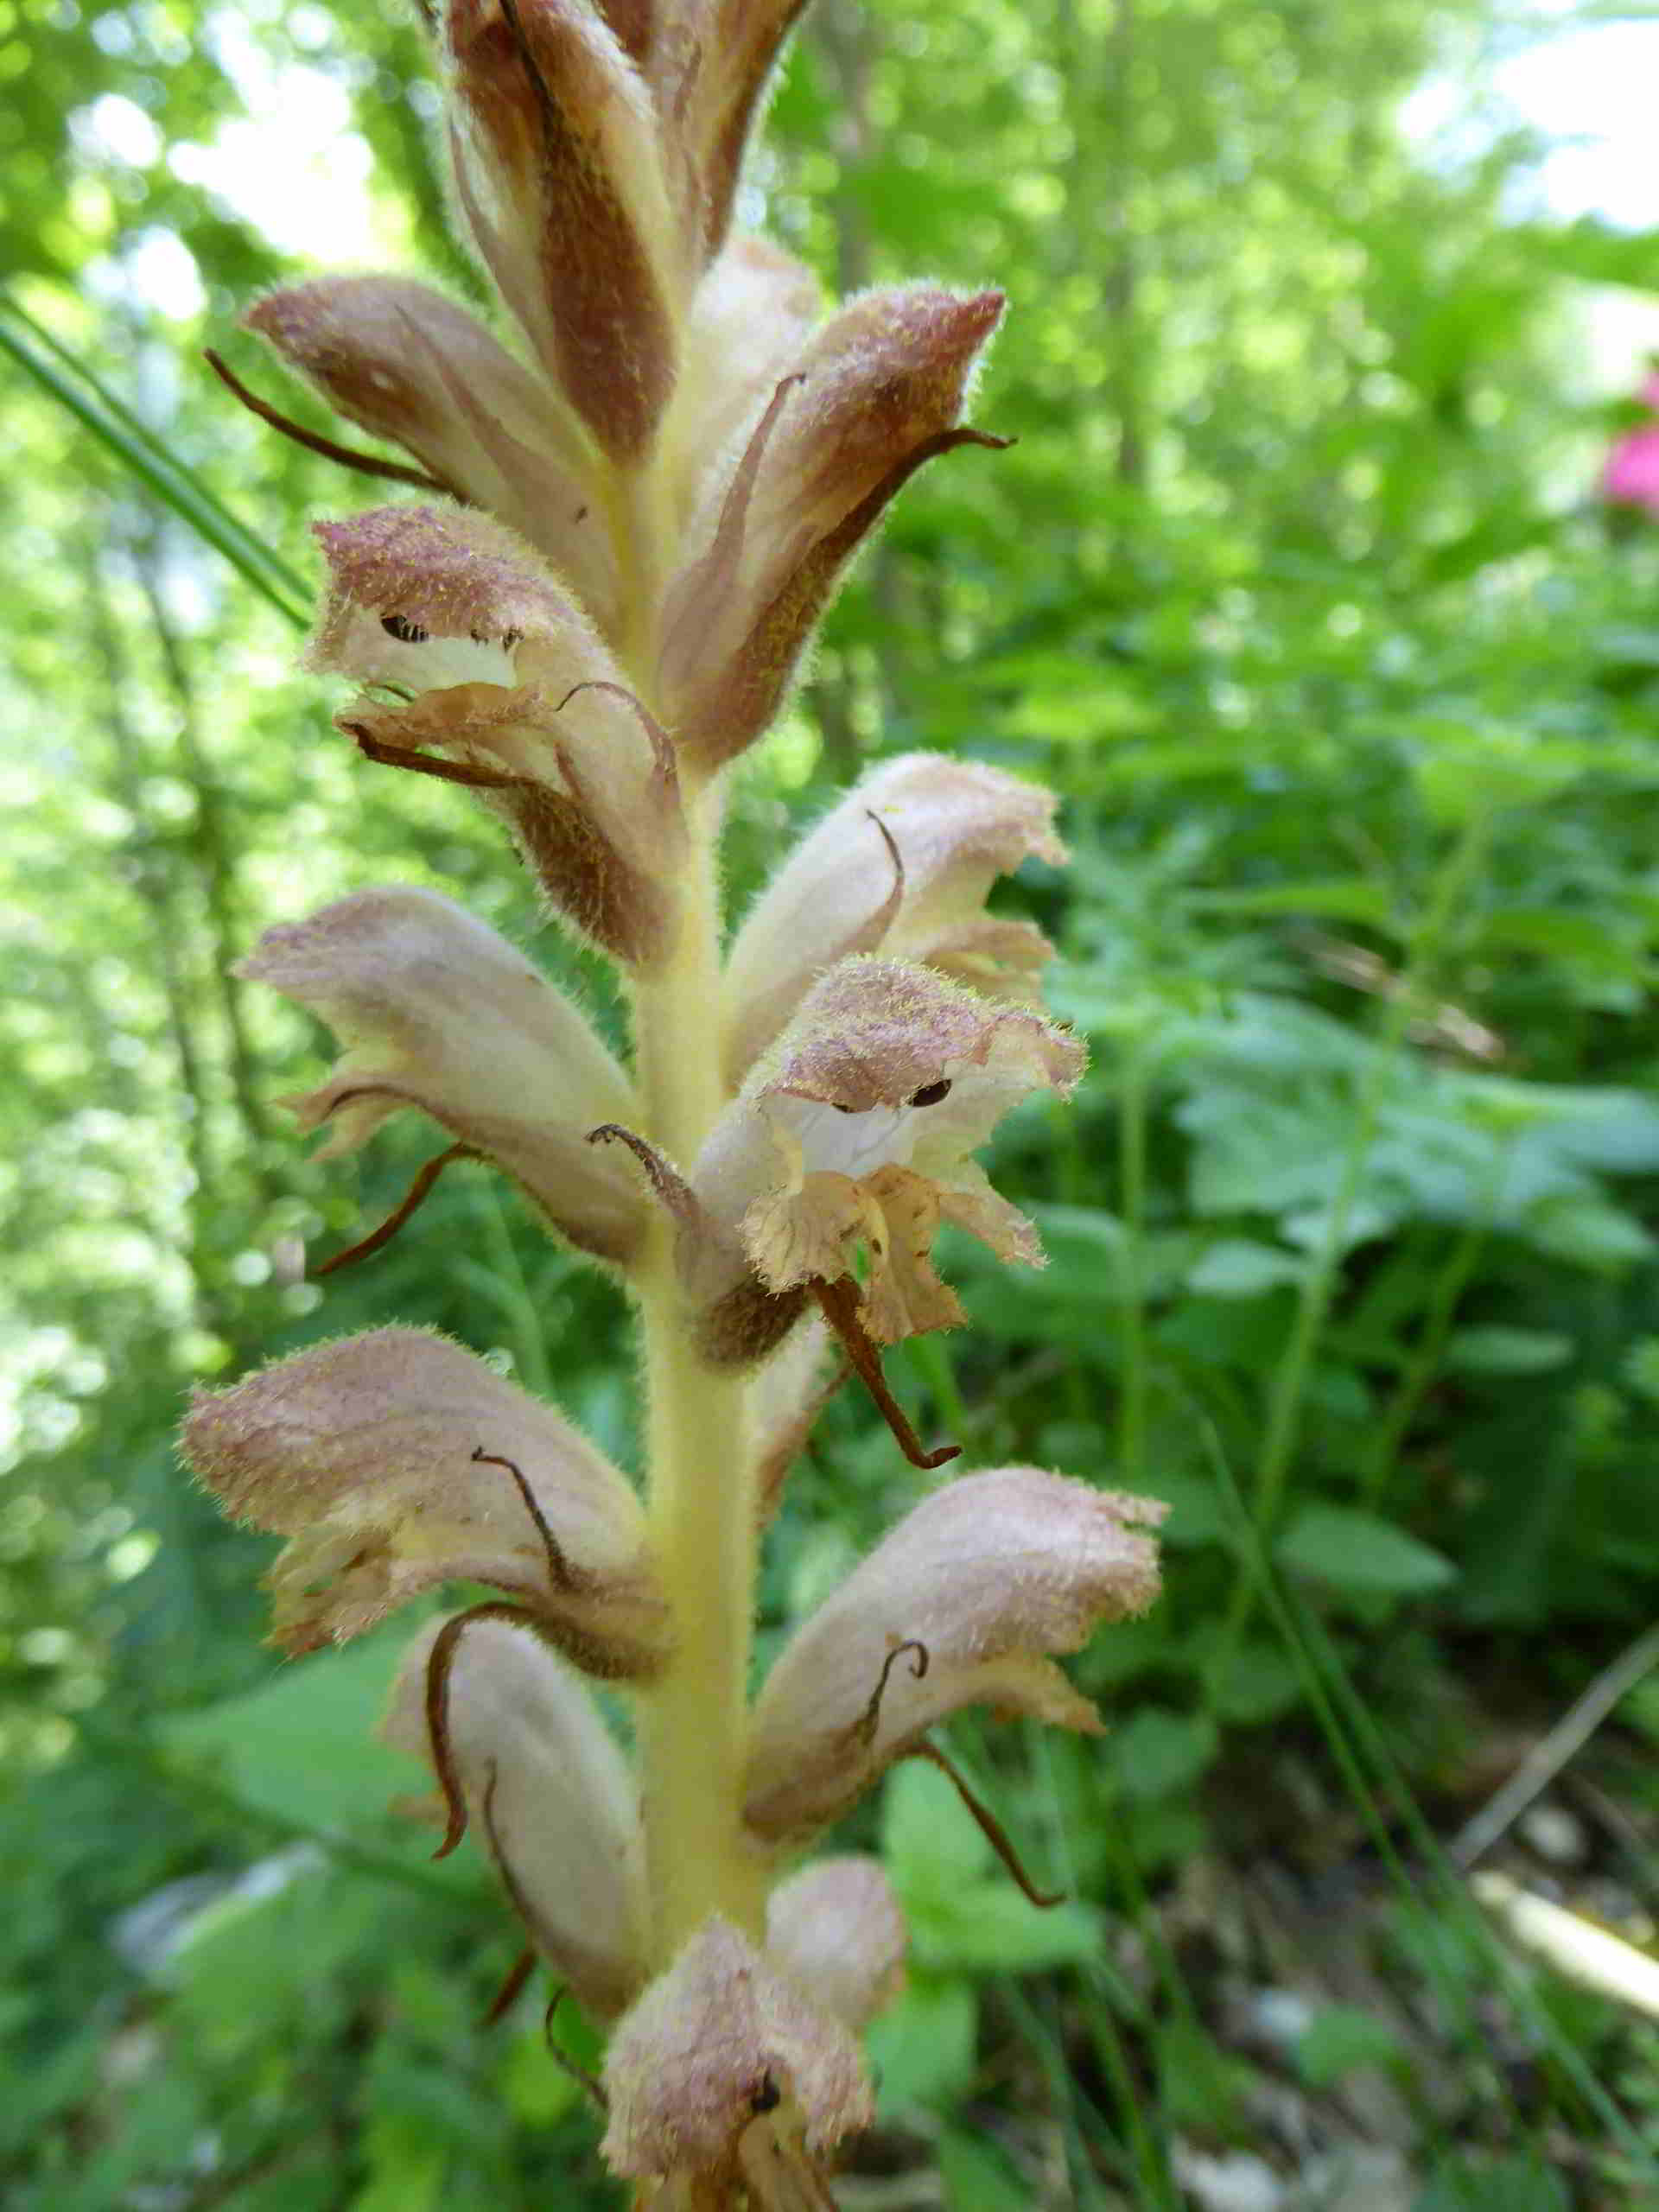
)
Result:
{"points": [[856, 1130]]}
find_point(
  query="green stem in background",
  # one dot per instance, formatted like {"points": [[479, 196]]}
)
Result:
{"points": [[139, 451], [1044, 2038], [1348, 1731], [1320, 1283], [1445, 1293], [1459, 1907], [1150, 2164], [931, 1362], [1405, 1880], [504, 1281], [1071, 1175], [215, 852], [160, 891], [1132, 1091], [1137, 1907]]}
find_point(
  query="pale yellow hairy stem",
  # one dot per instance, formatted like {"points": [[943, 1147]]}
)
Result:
{"points": [[700, 1477]]}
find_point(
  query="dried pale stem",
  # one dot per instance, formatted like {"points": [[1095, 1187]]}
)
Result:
{"points": [[1552, 1752]]}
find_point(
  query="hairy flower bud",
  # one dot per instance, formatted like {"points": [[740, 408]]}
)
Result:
{"points": [[835, 1929], [752, 317], [407, 364], [958, 1605], [709, 63], [559, 175], [877, 394], [437, 1011], [901, 865], [396, 1461], [549, 1791]]}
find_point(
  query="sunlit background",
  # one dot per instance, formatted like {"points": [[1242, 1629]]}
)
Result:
{"points": [[1306, 586]]}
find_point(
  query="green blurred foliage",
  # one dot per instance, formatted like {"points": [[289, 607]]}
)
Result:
{"points": [[1295, 588]]}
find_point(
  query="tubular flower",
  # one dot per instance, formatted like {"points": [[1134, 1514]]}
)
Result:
{"points": [[877, 392], [735, 2067], [708, 62], [835, 1928], [901, 865], [490, 652], [402, 362], [778, 458], [438, 1013], [725, 2077], [557, 157], [518, 1739], [959, 1604], [857, 1127], [394, 1462]]}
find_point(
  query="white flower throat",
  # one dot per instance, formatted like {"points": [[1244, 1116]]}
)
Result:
{"points": [[406, 653], [834, 1141]]}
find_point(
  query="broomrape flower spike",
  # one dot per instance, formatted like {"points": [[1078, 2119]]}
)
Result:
{"points": [[625, 506]]}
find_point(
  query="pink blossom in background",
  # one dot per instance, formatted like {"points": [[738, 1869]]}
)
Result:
{"points": [[1630, 476]]}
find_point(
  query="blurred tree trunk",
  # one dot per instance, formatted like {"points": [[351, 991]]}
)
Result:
{"points": [[846, 35], [215, 845], [155, 886], [1098, 68], [1121, 290]]}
